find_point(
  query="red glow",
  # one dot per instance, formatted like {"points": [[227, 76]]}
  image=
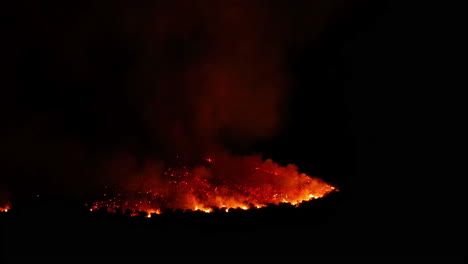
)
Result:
{"points": [[231, 182], [5, 209]]}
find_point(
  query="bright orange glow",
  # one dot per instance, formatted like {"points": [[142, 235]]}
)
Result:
{"points": [[235, 183], [4, 209]]}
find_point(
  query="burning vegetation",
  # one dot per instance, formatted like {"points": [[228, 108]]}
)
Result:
{"points": [[5, 208], [150, 84], [220, 183]]}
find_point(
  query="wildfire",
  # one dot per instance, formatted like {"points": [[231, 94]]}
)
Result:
{"points": [[4, 209], [229, 183]]}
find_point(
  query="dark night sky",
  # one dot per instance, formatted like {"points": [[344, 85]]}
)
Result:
{"points": [[375, 103]]}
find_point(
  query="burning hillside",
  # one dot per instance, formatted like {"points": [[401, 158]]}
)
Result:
{"points": [[136, 92], [224, 182]]}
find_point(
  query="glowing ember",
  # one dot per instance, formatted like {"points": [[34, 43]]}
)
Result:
{"points": [[229, 183], [4, 209]]}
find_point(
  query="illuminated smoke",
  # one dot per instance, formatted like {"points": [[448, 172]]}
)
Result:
{"points": [[217, 75], [141, 83], [217, 182]]}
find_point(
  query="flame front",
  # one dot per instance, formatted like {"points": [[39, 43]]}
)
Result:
{"points": [[4, 209], [237, 183]]}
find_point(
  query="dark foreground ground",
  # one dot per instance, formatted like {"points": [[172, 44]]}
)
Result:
{"points": [[325, 229]]}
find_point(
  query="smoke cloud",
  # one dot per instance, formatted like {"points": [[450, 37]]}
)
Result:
{"points": [[98, 90], [213, 72]]}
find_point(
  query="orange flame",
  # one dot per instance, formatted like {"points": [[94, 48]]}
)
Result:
{"points": [[234, 183], [5, 209]]}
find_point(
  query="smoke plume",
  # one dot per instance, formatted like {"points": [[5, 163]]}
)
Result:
{"points": [[96, 91]]}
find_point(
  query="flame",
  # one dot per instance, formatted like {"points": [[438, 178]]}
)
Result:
{"points": [[5, 209], [235, 183]]}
